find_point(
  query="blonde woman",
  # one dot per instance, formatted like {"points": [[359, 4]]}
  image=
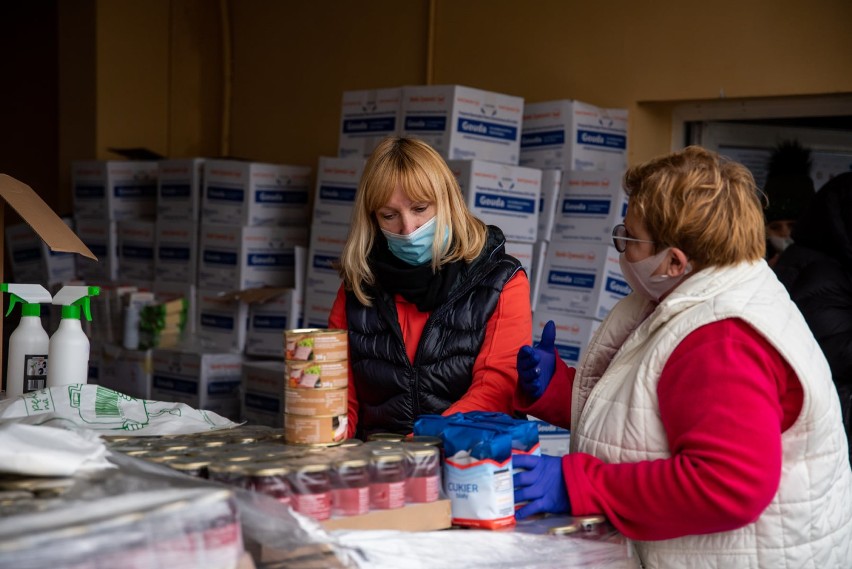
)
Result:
{"points": [[436, 310], [704, 422]]}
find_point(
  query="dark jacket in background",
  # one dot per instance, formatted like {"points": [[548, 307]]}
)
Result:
{"points": [[817, 271]]}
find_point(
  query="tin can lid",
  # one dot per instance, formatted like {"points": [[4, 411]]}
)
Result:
{"points": [[422, 451], [385, 437], [385, 457], [267, 469], [225, 467], [189, 464], [564, 530]]}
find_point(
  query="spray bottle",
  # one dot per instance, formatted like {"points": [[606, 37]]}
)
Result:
{"points": [[69, 345], [26, 368]]}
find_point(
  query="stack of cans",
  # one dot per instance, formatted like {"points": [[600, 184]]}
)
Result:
{"points": [[315, 397]]}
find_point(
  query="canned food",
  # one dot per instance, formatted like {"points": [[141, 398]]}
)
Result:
{"points": [[315, 344], [387, 480], [331, 374], [191, 466], [320, 430], [350, 494], [423, 466], [564, 530], [269, 478], [424, 440], [311, 484], [316, 401], [394, 437]]}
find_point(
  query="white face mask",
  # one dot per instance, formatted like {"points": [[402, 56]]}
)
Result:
{"points": [[780, 243], [640, 278]]}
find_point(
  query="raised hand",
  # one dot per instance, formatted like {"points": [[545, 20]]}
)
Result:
{"points": [[536, 364]]}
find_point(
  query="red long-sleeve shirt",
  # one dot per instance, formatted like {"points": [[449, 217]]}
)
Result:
{"points": [[725, 397], [494, 370]]}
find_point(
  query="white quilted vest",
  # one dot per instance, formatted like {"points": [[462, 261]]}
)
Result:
{"points": [[615, 416]]}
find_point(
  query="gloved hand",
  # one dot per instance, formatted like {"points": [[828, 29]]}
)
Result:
{"points": [[536, 365], [542, 485]]}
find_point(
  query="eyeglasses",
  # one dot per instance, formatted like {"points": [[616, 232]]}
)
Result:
{"points": [[620, 238]]}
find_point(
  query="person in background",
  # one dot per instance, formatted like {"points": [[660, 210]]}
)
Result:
{"points": [[704, 423], [789, 190], [435, 308], [817, 271]]}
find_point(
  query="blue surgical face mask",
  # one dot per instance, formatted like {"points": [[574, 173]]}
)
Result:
{"points": [[416, 247]]}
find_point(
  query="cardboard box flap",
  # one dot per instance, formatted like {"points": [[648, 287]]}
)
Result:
{"points": [[49, 226]]}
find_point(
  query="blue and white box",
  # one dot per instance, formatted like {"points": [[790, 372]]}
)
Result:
{"points": [[263, 393], [522, 252], [539, 258], [337, 183], [322, 281], [551, 183], [236, 258], [176, 256], [221, 323], [366, 118], [202, 380], [573, 135], [581, 279], [114, 189], [252, 193], [501, 195], [573, 334], [179, 184], [32, 261], [590, 204], [136, 242], [463, 123], [101, 237], [268, 319]]}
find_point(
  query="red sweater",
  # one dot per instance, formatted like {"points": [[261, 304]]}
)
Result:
{"points": [[495, 376], [725, 397]]}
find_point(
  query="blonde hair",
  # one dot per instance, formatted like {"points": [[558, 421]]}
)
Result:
{"points": [[700, 202], [423, 175]]}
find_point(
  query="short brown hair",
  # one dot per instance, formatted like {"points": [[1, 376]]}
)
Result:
{"points": [[700, 202]]}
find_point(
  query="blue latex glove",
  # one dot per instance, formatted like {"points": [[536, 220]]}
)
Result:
{"points": [[536, 365], [542, 485]]}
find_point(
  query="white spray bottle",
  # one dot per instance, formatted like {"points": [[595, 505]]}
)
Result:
{"points": [[69, 345], [26, 368]]}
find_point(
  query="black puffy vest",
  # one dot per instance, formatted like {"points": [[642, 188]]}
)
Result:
{"points": [[393, 392]]}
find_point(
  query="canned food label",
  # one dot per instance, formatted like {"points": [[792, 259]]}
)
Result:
{"points": [[315, 344], [314, 402], [304, 430], [318, 375], [350, 501], [387, 495], [317, 506], [421, 489]]}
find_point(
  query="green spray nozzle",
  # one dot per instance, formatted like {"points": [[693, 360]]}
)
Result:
{"points": [[73, 298], [27, 294]]}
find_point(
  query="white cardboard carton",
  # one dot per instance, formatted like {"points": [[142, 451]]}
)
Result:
{"points": [[221, 323], [501, 195], [130, 371], [179, 184], [263, 393], [32, 261], [114, 189], [539, 258], [366, 118], [551, 183], [136, 240], [322, 280], [202, 380], [463, 123], [268, 321], [237, 258], [573, 135], [522, 252], [176, 258], [573, 333], [101, 237], [590, 204], [252, 193], [337, 182], [581, 279]]}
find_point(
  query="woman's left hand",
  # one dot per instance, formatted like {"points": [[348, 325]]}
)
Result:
{"points": [[542, 485]]}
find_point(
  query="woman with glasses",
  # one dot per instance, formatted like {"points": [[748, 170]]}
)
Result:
{"points": [[704, 423]]}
